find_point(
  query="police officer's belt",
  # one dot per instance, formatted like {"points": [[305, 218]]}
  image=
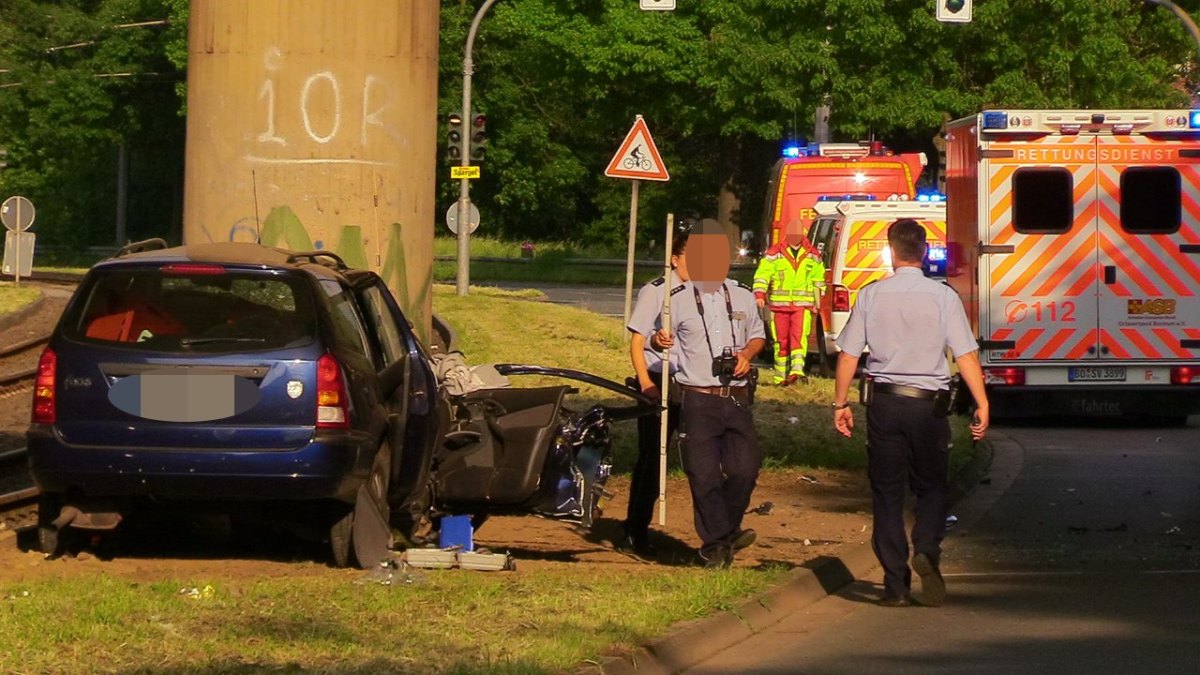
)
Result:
{"points": [[728, 392], [903, 390]]}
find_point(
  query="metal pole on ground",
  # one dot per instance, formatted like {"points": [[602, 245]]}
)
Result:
{"points": [[633, 209], [464, 189], [665, 388]]}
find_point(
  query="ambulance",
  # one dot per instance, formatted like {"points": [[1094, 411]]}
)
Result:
{"points": [[808, 173], [1074, 243], [852, 239]]}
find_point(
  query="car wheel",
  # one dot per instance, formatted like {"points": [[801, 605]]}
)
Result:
{"points": [[340, 537], [49, 537]]}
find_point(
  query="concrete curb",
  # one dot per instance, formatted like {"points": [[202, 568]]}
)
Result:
{"points": [[691, 642], [15, 318]]}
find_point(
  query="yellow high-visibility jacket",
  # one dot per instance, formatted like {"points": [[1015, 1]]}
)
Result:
{"points": [[788, 277]]}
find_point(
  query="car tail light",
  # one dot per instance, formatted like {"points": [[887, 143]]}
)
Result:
{"points": [[43, 388], [841, 299], [331, 395], [192, 270], [1007, 376], [1185, 375]]}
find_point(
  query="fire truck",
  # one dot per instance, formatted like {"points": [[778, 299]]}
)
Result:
{"points": [[807, 173], [1074, 243]]}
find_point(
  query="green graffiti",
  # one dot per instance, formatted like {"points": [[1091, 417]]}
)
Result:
{"points": [[395, 276], [351, 248], [283, 224]]}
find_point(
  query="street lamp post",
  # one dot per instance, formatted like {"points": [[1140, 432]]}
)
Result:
{"points": [[464, 190], [1182, 16]]}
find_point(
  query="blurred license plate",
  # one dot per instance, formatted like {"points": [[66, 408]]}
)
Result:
{"points": [[1096, 374]]}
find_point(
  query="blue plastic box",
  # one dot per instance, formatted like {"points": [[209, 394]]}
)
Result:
{"points": [[457, 532]]}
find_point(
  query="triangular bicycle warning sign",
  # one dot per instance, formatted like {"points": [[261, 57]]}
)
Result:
{"points": [[638, 156]]}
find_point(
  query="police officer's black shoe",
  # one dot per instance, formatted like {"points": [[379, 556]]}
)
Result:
{"points": [[895, 601], [743, 538], [933, 586], [635, 543], [717, 558]]}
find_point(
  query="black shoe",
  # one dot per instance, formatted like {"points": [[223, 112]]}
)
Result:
{"points": [[744, 538], [637, 544], [933, 586], [718, 558], [895, 601]]}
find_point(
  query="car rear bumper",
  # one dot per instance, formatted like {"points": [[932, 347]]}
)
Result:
{"points": [[1094, 400], [328, 467]]}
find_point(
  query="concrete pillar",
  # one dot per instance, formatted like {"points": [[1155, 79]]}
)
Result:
{"points": [[312, 125]]}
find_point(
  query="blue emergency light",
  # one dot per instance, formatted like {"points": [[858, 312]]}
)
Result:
{"points": [[1194, 120], [934, 263], [791, 151], [931, 197], [995, 120]]}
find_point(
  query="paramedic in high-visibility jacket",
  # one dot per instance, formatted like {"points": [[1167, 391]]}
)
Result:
{"points": [[786, 282]]}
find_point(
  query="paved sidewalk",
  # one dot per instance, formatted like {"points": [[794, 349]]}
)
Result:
{"points": [[693, 642]]}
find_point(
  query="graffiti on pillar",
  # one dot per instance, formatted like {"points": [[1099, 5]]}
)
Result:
{"points": [[283, 228], [319, 105]]}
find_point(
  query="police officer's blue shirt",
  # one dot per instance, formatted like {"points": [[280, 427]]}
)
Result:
{"points": [[646, 317], [725, 329], [908, 321]]}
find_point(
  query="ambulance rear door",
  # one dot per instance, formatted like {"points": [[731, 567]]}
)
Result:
{"points": [[1086, 256]]}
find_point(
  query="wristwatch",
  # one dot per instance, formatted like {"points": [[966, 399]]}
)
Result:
{"points": [[840, 406]]}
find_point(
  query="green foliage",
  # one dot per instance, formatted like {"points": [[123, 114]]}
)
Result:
{"points": [[84, 80], [721, 82]]}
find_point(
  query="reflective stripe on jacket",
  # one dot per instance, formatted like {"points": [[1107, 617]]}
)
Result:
{"points": [[782, 279]]}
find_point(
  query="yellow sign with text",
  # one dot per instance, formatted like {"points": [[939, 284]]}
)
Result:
{"points": [[460, 172]]}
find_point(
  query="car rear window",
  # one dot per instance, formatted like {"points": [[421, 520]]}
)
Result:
{"points": [[212, 310]]}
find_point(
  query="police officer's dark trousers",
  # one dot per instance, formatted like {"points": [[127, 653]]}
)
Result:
{"points": [[719, 450], [906, 444], [643, 485]]}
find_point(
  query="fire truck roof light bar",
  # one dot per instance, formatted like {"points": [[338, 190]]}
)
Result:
{"points": [[1194, 119]]}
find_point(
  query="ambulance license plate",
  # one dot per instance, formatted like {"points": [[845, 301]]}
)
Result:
{"points": [[1096, 374]]}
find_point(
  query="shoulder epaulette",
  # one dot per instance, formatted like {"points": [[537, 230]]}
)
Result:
{"points": [[659, 281], [678, 288], [739, 284]]}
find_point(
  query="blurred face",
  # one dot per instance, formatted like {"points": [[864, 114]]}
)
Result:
{"points": [[708, 257], [793, 233]]}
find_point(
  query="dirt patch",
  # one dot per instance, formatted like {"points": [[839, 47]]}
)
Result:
{"points": [[811, 514]]}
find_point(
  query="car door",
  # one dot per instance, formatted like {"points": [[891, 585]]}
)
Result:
{"points": [[406, 382]]}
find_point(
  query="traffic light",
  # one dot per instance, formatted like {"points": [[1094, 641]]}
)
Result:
{"points": [[454, 137], [478, 137], [953, 11]]}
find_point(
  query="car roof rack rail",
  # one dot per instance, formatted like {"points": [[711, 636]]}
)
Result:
{"points": [[155, 244], [314, 256]]}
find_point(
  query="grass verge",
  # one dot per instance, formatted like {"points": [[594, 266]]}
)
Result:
{"points": [[14, 297]]}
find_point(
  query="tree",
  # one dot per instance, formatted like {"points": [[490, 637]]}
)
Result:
{"points": [[723, 82], [84, 80]]}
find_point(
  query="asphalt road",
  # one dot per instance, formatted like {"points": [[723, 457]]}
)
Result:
{"points": [[606, 300], [1081, 555]]}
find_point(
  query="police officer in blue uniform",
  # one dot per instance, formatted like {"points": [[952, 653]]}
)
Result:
{"points": [[717, 330], [644, 321], [908, 321]]}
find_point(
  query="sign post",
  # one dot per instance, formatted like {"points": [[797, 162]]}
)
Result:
{"points": [[663, 428], [17, 214], [638, 159]]}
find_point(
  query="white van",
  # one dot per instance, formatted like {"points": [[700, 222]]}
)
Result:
{"points": [[852, 238]]}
